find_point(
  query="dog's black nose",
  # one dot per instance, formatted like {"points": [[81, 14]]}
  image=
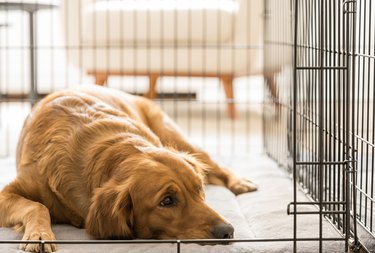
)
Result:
{"points": [[223, 231]]}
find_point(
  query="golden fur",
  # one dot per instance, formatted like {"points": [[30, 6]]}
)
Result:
{"points": [[113, 163]]}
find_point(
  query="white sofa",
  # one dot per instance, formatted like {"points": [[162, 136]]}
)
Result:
{"points": [[205, 38]]}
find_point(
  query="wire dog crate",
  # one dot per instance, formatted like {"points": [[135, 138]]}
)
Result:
{"points": [[318, 109], [327, 115]]}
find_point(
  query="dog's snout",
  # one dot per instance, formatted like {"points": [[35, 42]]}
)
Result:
{"points": [[223, 231]]}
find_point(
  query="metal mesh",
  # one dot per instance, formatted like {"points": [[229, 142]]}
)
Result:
{"points": [[317, 59], [363, 113], [328, 113]]}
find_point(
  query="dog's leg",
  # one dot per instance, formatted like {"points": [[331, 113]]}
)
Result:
{"points": [[31, 217], [170, 135], [221, 176]]}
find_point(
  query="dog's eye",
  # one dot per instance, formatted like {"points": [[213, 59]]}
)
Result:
{"points": [[168, 202]]}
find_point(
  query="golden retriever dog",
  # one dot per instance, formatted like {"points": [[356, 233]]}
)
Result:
{"points": [[114, 164]]}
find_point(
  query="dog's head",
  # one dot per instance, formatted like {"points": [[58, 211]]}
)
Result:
{"points": [[156, 195]]}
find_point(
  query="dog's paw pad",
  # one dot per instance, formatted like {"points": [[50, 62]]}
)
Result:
{"points": [[242, 185], [36, 236]]}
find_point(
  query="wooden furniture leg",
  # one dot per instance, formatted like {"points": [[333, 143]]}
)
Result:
{"points": [[228, 89], [227, 80], [101, 78], [152, 86]]}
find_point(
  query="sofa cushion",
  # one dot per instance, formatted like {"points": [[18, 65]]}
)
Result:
{"points": [[158, 21]]}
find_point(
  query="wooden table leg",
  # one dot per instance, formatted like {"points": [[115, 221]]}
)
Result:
{"points": [[228, 89], [152, 86], [101, 78]]}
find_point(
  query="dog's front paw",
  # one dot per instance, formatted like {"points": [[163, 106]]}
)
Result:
{"points": [[242, 185], [36, 236]]}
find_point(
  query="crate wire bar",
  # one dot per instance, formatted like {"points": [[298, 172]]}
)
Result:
{"points": [[318, 114], [329, 114], [178, 243], [317, 67]]}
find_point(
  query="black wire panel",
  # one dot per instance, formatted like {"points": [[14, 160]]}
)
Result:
{"points": [[364, 111], [329, 113], [319, 110]]}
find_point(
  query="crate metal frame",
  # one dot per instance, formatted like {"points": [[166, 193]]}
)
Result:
{"points": [[321, 66], [303, 116], [327, 115]]}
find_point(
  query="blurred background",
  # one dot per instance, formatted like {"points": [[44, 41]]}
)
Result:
{"points": [[200, 60]]}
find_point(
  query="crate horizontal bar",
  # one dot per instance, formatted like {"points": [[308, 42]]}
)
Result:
{"points": [[134, 45], [316, 212], [365, 55], [289, 212], [365, 194], [323, 202], [326, 163], [324, 67], [184, 241]]}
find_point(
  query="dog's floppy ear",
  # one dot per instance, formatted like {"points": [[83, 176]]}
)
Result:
{"points": [[110, 215], [200, 167]]}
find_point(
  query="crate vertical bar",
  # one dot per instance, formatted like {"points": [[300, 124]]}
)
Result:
{"points": [[321, 101], [295, 92]]}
